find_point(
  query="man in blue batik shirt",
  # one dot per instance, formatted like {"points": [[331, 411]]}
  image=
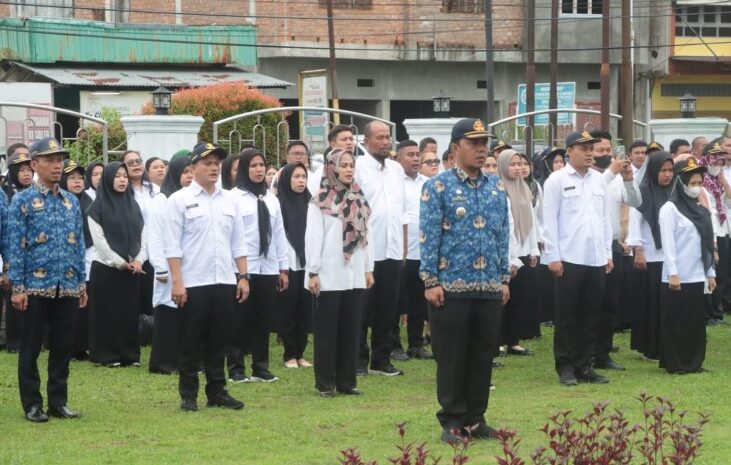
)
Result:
{"points": [[465, 268], [46, 257]]}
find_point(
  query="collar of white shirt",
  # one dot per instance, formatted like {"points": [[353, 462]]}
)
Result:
{"points": [[197, 189]]}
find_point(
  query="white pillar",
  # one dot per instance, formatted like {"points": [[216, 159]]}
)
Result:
{"points": [[161, 135], [440, 129], [665, 130]]}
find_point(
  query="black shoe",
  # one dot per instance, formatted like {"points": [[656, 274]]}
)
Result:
{"points": [[420, 353], [567, 378], [519, 351], [388, 370], [35, 414], [238, 378], [327, 394], [188, 405], [483, 431], [223, 399], [609, 364], [451, 435], [63, 412], [350, 392], [400, 355], [712, 322], [263, 376], [592, 377]]}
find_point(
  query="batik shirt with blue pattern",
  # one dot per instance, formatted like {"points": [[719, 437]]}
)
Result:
{"points": [[46, 243], [3, 224], [464, 234]]}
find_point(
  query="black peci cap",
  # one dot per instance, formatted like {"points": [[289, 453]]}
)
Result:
{"points": [[470, 128], [47, 146], [203, 149], [580, 137], [70, 166]]}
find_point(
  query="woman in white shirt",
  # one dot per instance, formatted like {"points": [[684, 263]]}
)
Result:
{"points": [[521, 313], [118, 231], [166, 326], [296, 304], [644, 238], [340, 268], [267, 261], [688, 246]]}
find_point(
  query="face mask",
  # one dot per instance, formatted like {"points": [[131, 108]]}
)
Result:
{"points": [[692, 192], [714, 170], [603, 162]]}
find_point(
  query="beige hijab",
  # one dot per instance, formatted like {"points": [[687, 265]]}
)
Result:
{"points": [[521, 199]]}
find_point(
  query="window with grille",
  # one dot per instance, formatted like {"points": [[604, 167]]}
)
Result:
{"points": [[704, 21], [352, 4], [118, 11], [581, 7], [43, 8], [463, 6]]}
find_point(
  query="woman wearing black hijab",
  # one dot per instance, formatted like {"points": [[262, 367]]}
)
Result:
{"points": [[118, 231], [688, 245], [72, 180], [267, 265], [644, 238], [92, 177], [165, 337], [295, 307]]}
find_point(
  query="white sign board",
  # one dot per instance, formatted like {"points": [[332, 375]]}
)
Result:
{"points": [[126, 103], [26, 125], [314, 125]]}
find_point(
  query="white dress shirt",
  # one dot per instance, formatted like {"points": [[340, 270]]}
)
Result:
{"points": [[156, 237], [383, 187], [681, 246], [576, 223], [640, 235], [144, 196], [324, 254], [276, 258], [619, 192], [205, 232], [103, 251], [91, 192], [313, 180], [413, 205]]}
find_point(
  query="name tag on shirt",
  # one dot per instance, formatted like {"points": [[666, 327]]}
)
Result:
{"points": [[194, 205], [569, 188]]}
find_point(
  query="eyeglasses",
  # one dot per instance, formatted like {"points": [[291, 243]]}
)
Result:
{"points": [[133, 162], [430, 162], [298, 154]]}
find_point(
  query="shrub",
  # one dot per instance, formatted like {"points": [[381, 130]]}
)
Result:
{"points": [[90, 148], [220, 101]]}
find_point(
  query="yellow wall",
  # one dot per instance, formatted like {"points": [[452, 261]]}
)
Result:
{"points": [[705, 106], [693, 47]]}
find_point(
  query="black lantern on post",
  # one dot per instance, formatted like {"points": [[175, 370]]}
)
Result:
{"points": [[687, 105], [161, 100], [441, 105]]}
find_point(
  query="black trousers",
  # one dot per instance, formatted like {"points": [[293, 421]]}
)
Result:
{"points": [[609, 318], [205, 322], [412, 303], [13, 328], [147, 288], [715, 302], [464, 338], [380, 312], [165, 340], [253, 325], [295, 316], [578, 308], [336, 321], [59, 317]]}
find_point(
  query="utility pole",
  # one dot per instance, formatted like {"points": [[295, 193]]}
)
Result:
{"points": [[530, 77], [553, 71], [604, 74], [489, 63], [627, 75], [333, 70]]}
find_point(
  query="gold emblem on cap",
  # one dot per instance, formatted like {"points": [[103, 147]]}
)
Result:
{"points": [[478, 126], [209, 146], [22, 157], [585, 135], [691, 163], [717, 146], [52, 144]]}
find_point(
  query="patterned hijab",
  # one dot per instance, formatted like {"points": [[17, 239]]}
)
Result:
{"points": [[346, 202], [520, 195], [713, 183]]}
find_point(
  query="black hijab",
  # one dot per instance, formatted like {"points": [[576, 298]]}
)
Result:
{"points": [[227, 182], [84, 203], [118, 214], [259, 190], [294, 209], [89, 170], [171, 182], [530, 180], [654, 195], [12, 185], [699, 215]]}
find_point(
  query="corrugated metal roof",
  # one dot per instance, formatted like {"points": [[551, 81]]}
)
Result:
{"points": [[144, 77]]}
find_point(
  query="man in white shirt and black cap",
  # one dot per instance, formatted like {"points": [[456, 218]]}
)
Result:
{"points": [[204, 237], [578, 247], [382, 181]]}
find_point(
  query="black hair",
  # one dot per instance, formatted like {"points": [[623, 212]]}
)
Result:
{"points": [[601, 134], [150, 161], [635, 144], [423, 143], [406, 143], [145, 178], [337, 130], [677, 143], [227, 182], [11, 150], [295, 143], [445, 155]]}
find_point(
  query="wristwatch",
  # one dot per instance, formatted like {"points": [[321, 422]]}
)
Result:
{"points": [[313, 275], [244, 276]]}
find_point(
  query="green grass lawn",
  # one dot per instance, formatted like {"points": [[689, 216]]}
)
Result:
{"points": [[132, 416]]}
